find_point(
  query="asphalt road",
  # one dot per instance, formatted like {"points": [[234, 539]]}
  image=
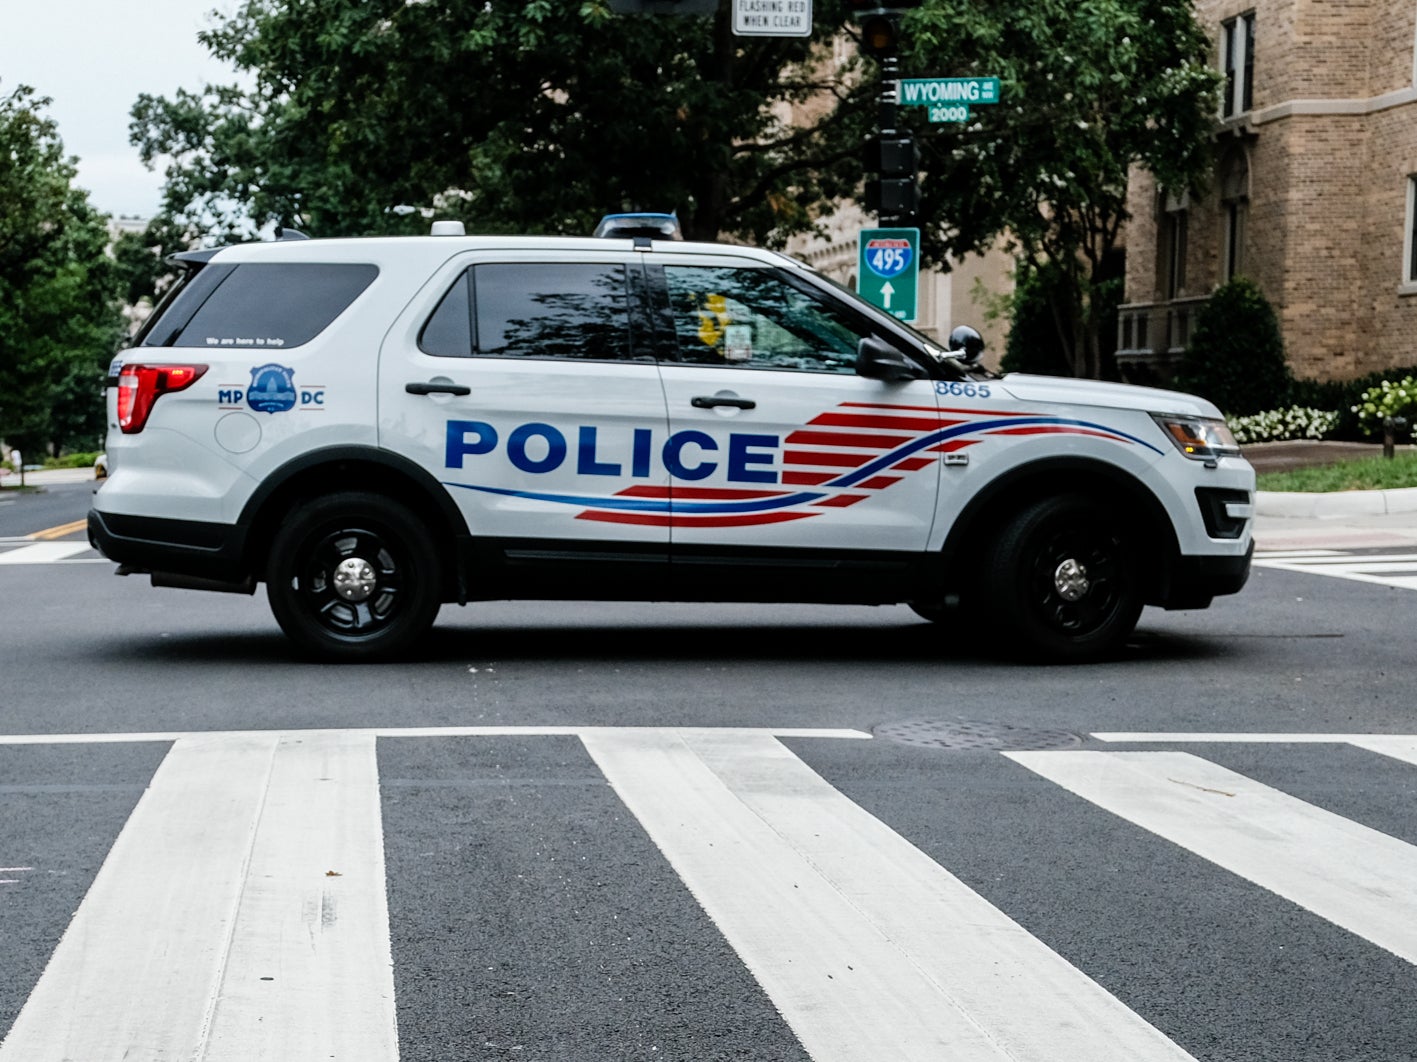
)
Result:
{"points": [[593, 832]]}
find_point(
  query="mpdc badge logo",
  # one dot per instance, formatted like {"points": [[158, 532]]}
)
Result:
{"points": [[272, 389]]}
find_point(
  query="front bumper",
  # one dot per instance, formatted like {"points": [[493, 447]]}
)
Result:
{"points": [[1195, 581]]}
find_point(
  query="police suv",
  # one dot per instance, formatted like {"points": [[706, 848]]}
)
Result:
{"points": [[374, 427]]}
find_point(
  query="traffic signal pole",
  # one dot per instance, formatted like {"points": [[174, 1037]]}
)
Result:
{"points": [[891, 158]]}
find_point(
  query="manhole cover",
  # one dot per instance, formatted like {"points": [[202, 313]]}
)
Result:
{"points": [[973, 735]]}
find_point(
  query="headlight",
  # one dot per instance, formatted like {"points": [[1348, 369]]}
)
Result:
{"points": [[1202, 438]]}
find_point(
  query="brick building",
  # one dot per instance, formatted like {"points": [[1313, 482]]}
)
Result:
{"points": [[1314, 195]]}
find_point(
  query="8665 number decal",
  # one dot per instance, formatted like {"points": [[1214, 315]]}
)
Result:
{"points": [[960, 389]]}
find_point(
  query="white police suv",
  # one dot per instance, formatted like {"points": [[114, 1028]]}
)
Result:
{"points": [[374, 427]]}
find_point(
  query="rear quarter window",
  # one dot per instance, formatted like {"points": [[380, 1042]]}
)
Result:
{"points": [[266, 305]]}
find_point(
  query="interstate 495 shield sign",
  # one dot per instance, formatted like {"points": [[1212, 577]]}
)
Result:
{"points": [[888, 270]]}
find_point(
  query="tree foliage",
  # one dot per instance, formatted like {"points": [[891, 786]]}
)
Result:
{"points": [[1088, 89], [59, 317], [533, 116], [540, 115]]}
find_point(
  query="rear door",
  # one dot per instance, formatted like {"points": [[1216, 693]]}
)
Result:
{"points": [[527, 385]]}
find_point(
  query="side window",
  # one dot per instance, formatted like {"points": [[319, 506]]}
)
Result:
{"points": [[448, 333], [553, 310], [270, 305], [755, 319]]}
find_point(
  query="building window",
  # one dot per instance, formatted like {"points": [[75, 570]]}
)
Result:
{"points": [[1237, 47], [1409, 252], [1172, 233], [1235, 207]]}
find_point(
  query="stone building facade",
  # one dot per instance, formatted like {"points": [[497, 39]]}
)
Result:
{"points": [[1314, 195]]}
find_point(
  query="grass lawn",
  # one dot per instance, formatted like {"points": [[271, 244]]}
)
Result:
{"points": [[1368, 473]]}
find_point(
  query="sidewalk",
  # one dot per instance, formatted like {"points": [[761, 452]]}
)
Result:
{"points": [[1353, 519], [49, 477]]}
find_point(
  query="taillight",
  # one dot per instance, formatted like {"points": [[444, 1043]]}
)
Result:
{"points": [[139, 386]]}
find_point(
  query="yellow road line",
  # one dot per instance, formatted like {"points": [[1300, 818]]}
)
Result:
{"points": [[61, 530]]}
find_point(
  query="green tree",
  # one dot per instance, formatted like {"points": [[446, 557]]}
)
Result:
{"points": [[59, 318], [1088, 89], [540, 115], [529, 116], [1236, 354]]}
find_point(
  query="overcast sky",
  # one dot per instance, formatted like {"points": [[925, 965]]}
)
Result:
{"points": [[93, 58]]}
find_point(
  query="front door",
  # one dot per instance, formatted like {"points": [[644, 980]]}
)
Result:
{"points": [[776, 445]]}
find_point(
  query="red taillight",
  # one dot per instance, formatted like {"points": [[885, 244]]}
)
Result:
{"points": [[140, 385]]}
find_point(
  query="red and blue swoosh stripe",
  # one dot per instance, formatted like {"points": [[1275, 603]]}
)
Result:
{"points": [[840, 458]]}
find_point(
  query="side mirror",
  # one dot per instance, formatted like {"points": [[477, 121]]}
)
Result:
{"points": [[878, 360], [970, 342]]}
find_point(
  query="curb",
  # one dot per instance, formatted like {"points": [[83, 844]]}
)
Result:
{"points": [[1337, 503]]}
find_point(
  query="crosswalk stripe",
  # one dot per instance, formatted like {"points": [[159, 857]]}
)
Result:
{"points": [[48, 553], [1381, 569], [868, 948], [240, 914], [1398, 746], [1354, 876]]}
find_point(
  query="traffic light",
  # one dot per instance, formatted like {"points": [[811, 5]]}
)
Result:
{"points": [[892, 197], [880, 34], [891, 156], [890, 162]]}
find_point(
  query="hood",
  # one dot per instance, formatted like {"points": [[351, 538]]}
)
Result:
{"points": [[1027, 388]]}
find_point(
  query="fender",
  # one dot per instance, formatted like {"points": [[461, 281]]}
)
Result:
{"points": [[348, 466], [1053, 474]]}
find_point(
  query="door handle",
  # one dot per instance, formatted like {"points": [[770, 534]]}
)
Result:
{"points": [[709, 401], [436, 389]]}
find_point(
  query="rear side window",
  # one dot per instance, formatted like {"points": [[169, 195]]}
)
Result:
{"points": [[261, 305], [575, 310]]}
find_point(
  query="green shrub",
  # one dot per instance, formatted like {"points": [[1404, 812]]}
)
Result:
{"points": [[76, 460], [1387, 399], [1236, 354], [1345, 396], [1279, 425]]}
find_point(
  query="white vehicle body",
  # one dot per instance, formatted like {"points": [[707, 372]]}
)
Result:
{"points": [[608, 418]]}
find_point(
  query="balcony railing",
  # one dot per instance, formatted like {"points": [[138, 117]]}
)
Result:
{"points": [[1156, 332]]}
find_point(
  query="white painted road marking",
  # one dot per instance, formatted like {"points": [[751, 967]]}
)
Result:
{"points": [[1354, 876], [1378, 568], [868, 948], [51, 553], [215, 930], [241, 913], [1398, 746]]}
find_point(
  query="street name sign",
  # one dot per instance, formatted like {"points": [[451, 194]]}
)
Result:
{"points": [[772, 18], [948, 99], [888, 270]]}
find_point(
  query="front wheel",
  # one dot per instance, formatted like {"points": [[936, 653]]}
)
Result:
{"points": [[353, 576], [1062, 582]]}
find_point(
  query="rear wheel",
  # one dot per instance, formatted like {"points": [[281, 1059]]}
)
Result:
{"points": [[1062, 580], [353, 576]]}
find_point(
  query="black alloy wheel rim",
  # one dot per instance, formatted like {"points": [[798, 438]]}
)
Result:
{"points": [[352, 583], [1075, 581]]}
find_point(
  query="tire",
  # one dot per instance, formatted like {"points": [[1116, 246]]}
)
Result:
{"points": [[1062, 581], [353, 576]]}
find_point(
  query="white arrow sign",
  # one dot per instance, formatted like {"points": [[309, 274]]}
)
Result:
{"points": [[887, 291]]}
